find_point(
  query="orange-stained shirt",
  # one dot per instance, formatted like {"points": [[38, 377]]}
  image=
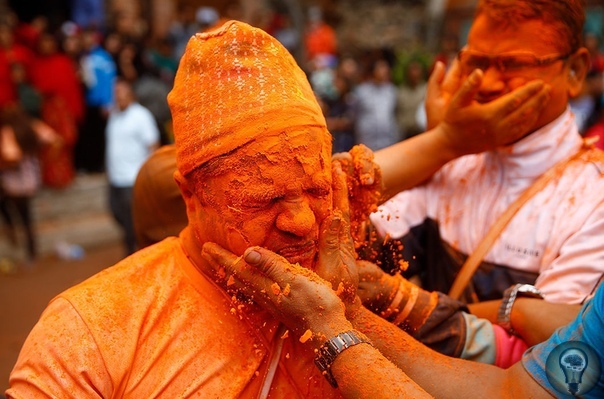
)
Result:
{"points": [[153, 326]]}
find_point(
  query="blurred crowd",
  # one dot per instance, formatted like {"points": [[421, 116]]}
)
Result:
{"points": [[57, 90]]}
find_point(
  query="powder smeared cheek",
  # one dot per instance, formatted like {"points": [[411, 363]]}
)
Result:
{"points": [[247, 230], [237, 242]]}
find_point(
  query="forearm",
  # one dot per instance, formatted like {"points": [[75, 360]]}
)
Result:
{"points": [[535, 320], [440, 375], [410, 162], [357, 380], [486, 310]]}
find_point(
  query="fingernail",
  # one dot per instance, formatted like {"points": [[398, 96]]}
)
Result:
{"points": [[206, 254], [366, 179], [253, 257]]}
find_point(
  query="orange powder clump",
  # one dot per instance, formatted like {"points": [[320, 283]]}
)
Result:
{"points": [[285, 334], [286, 290], [306, 336], [340, 289], [403, 265], [365, 197], [276, 289], [230, 281]]}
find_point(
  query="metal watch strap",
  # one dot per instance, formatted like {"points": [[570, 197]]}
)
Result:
{"points": [[504, 314], [328, 352]]}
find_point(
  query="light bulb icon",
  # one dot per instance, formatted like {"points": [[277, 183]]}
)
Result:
{"points": [[573, 362]]}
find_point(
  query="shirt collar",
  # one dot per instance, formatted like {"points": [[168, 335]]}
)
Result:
{"points": [[538, 152]]}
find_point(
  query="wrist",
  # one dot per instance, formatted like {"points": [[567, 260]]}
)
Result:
{"points": [[396, 296], [333, 347], [447, 148], [403, 304], [504, 314], [327, 326], [387, 292]]}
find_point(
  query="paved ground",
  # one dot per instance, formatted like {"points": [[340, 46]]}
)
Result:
{"points": [[24, 294]]}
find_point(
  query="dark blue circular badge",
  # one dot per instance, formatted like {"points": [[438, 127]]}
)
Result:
{"points": [[573, 368]]}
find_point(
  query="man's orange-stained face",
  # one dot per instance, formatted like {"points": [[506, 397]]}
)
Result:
{"points": [[535, 38], [275, 192]]}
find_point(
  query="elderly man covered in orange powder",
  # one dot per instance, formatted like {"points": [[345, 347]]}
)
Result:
{"points": [[254, 167]]}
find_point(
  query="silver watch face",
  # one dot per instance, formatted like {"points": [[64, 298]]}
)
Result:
{"points": [[529, 289]]}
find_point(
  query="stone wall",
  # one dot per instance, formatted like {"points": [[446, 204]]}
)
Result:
{"points": [[365, 24]]}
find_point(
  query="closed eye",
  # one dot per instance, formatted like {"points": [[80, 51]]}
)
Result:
{"points": [[318, 192], [258, 203]]}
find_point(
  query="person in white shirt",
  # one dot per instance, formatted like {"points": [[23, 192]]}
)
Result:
{"points": [[132, 135]]}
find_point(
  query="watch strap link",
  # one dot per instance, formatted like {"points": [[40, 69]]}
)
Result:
{"points": [[328, 352], [504, 314]]}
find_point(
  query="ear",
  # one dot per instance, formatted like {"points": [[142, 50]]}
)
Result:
{"points": [[578, 65], [186, 191]]}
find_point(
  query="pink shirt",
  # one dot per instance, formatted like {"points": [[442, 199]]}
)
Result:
{"points": [[558, 234]]}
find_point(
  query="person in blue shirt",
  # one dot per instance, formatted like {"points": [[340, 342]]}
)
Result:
{"points": [[98, 73]]}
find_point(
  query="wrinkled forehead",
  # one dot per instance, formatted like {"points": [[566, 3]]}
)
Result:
{"points": [[303, 150], [494, 36], [305, 144]]}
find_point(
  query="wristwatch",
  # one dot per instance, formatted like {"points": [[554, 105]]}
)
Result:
{"points": [[328, 352], [509, 297]]}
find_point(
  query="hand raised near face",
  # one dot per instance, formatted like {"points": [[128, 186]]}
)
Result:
{"points": [[336, 254], [364, 185], [442, 86], [471, 127], [296, 296]]}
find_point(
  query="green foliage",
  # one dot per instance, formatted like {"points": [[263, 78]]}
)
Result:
{"points": [[404, 58]]}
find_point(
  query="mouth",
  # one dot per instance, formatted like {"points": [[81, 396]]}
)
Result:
{"points": [[299, 253]]}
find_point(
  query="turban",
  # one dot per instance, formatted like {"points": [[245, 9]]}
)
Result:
{"points": [[236, 84]]}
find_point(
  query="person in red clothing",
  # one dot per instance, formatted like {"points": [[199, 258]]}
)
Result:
{"points": [[62, 109], [10, 53], [320, 38]]}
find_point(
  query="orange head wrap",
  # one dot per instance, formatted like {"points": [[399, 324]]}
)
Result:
{"points": [[234, 85]]}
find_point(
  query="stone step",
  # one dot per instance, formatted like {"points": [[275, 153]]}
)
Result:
{"points": [[77, 215], [86, 195]]}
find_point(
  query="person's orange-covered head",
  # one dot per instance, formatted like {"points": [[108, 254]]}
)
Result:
{"points": [[234, 85]]}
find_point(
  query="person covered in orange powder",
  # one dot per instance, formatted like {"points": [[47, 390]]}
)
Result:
{"points": [[254, 167]]}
